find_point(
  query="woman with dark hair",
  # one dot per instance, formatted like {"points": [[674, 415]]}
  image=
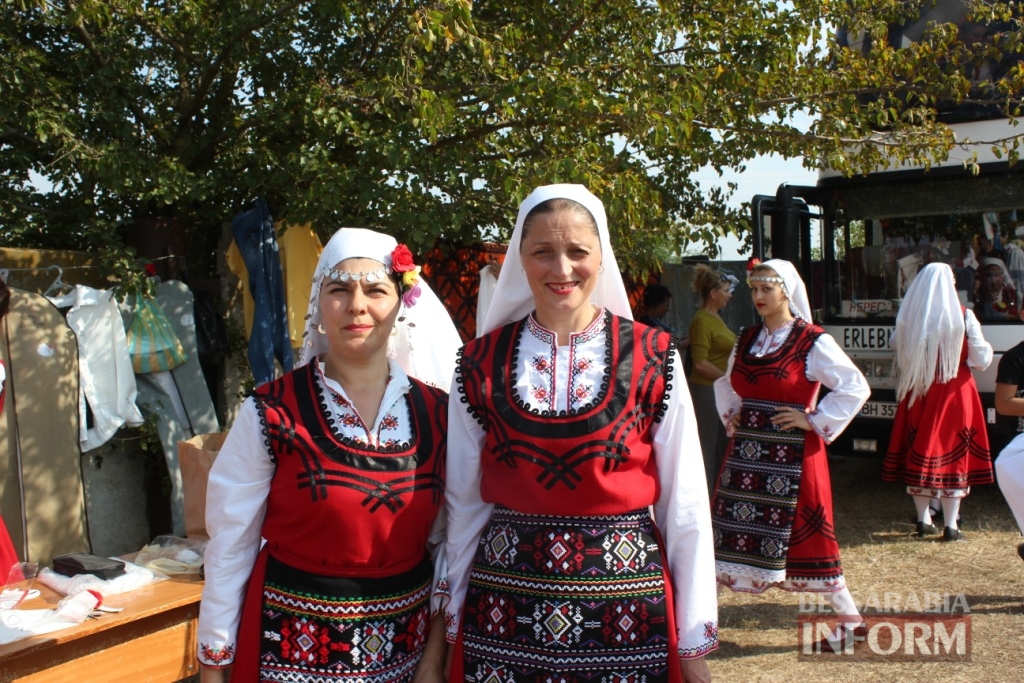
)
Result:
{"points": [[325, 503], [711, 342], [657, 300], [571, 422]]}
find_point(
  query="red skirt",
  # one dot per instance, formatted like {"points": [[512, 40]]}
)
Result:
{"points": [[940, 442]]}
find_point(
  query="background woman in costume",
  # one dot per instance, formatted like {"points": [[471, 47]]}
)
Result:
{"points": [[997, 296], [711, 342], [339, 465], [8, 556], [571, 421], [772, 509], [939, 445]]}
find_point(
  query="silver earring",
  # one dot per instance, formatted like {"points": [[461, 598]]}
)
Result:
{"points": [[600, 269], [320, 328]]}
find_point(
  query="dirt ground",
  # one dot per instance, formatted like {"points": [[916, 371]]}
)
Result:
{"points": [[759, 635]]}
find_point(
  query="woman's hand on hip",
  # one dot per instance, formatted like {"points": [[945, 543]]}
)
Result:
{"points": [[790, 418]]}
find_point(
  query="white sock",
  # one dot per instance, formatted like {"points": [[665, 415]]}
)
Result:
{"points": [[951, 509], [843, 605], [924, 510]]}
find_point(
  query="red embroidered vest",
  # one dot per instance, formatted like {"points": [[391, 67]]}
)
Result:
{"points": [[779, 376], [343, 508], [595, 460]]}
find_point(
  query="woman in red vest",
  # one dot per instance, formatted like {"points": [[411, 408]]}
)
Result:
{"points": [[339, 467], [571, 422], [772, 507]]}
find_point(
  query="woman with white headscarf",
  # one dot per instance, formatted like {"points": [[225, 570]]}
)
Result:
{"points": [[772, 508], [339, 466], [997, 294], [939, 445], [572, 420]]}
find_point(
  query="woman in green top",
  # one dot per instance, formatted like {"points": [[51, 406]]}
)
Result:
{"points": [[711, 343]]}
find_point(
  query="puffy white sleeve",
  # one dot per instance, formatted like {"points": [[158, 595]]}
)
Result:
{"points": [[726, 398], [467, 512], [828, 363], [979, 351], [683, 515], [236, 503]]}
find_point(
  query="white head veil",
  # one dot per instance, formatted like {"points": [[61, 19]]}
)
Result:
{"points": [[929, 332], [992, 261], [513, 299], [793, 287], [425, 341]]}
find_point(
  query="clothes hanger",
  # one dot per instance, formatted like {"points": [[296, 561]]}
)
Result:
{"points": [[59, 286]]}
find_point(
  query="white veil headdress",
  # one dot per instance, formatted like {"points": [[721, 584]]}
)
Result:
{"points": [[929, 332], [425, 340], [513, 300], [793, 287]]}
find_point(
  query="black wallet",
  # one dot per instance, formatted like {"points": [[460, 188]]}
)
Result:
{"points": [[74, 564]]}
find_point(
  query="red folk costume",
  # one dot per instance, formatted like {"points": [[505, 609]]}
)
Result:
{"points": [[772, 509], [346, 525], [557, 446], [570, 488], [348, 510], [939, 445]]}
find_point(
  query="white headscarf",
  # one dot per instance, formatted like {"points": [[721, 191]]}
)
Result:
{"points": [[992, 261], [929, 332], [424, 342], [793, 287], [513, 299]]}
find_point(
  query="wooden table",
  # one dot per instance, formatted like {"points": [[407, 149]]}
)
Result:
{"points": [[153, 639]]}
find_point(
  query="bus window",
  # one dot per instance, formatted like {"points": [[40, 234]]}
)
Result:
{"points": [[877, 258]]}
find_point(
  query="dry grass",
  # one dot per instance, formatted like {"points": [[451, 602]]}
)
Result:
{"points": [[881, 554]]}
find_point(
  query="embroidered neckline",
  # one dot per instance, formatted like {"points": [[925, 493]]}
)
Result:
{"points": [[586, 334]]}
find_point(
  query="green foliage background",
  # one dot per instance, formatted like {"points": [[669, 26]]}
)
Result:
{"points": [[432, 120]]}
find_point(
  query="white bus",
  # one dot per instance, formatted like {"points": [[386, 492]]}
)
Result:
{"points": [[859, 242]]}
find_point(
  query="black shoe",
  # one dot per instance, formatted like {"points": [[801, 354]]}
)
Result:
{"points": [[951, 534], [926, 529], [850, 638], [1020, 551], [938, 517]]}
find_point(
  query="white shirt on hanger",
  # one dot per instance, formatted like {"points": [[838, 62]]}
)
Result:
{"points": [[106, 379]]}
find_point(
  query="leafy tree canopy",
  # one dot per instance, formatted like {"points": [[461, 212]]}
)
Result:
{"points": [[432, 120]]}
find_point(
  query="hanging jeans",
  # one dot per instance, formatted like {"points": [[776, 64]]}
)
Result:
{"points": [[253, 231]]}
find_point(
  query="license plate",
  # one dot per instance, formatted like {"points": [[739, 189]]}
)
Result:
{"points": [[879, 409]]}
